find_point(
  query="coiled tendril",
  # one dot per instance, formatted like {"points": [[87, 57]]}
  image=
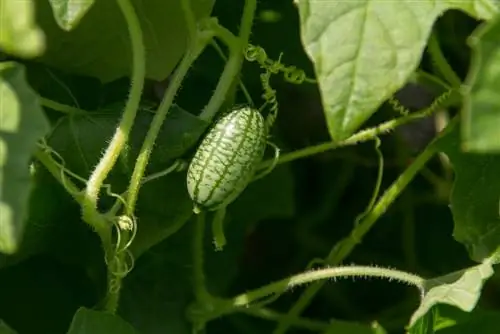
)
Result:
{"points": [[401, 109], [291, 74]]}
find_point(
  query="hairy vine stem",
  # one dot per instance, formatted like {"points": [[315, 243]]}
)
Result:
{"points": [[89, 206], [233, 65], [441, 63], [245, 300], [194, 50], [345, 246], [101, 171], [361, 136]]}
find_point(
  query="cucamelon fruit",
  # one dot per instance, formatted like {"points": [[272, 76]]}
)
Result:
{"points": [[226, 159]]}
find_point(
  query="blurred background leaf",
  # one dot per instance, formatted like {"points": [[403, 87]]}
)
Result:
{"points": [[481, 110], [22, 124]]}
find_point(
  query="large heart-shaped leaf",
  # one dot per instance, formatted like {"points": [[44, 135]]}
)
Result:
{"points": [[364, 51], [22, 123]]}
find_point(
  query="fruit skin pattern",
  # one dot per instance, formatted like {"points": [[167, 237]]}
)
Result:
{"points": [[226, 159]]}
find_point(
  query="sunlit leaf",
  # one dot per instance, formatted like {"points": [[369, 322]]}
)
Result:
{"points": [[68, 13], [22, 123], [364, 51], [461, 289], [481, 108], [19, 35]]}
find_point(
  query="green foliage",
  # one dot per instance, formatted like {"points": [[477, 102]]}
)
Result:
{"points": [[21, 124], [453, 321], [5, 329], [481, 107], [106, 53], [104, 104], [461, 289], [19, 33], [90, 321], [68, 13], [363, 54], [475, 198]]}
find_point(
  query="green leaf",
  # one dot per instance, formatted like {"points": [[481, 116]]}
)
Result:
{"points": [[455, 321], [364, 51], [269, 197], [346, 327], [475, 198], [68, 13], [425, 324], [461, 289], [156, 293], [148, 301], [22, 123], [98, 51], [5, 329], [48, 205], [80, 139], [161, 216], [481, 108], [41, 295], [89, 321], [20, 36]]}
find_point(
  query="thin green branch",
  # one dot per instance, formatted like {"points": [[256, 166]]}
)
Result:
{"points": [[70, 110], [432, 78], [441, 63], [359, 137], [101, 171], [123, 130], [233, 65], [246, 299], [202, 295], [195, 49], [307, 296], [55, 170], [345, 247], [243, 88], [189, 17]]}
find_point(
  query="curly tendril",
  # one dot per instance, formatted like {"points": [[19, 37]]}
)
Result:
{"points": [[291, 74], [439, 101], [401, 109], [121, 261], [397, 106], [270, 97]]}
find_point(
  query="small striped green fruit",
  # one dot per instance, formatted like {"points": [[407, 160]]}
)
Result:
{"points": [[226, 159]]}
